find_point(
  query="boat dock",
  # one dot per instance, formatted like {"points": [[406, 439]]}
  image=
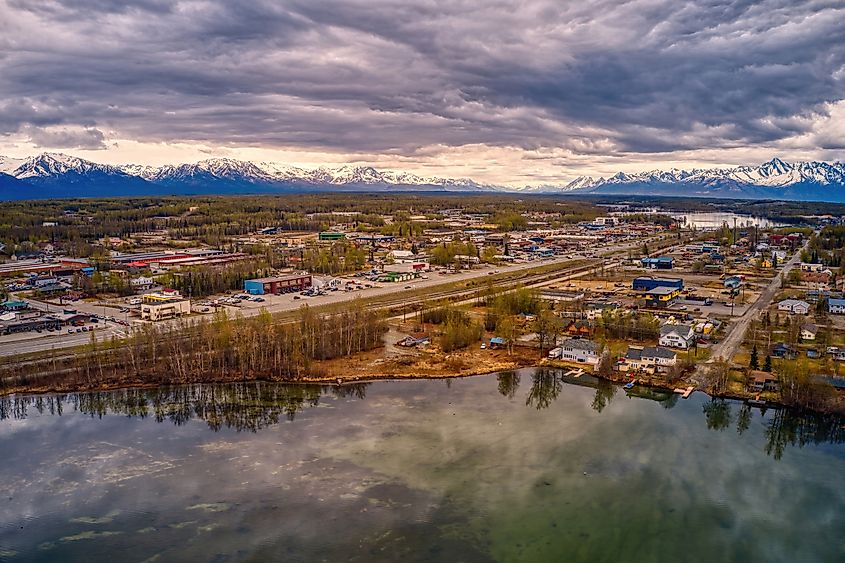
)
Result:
{"points": [[574, 373], [685, 393]]}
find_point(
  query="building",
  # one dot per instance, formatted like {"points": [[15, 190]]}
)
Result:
{"points": [[164, 305], [795, 306], [809, 331], [649, 359], [661, 263], [759, 381], [644, 283], [142, 283], [579, 350], [836, 306], [676, 336], [278, 285], [732, 282], [805, 267], [661, 296], [14, 305], [331, 235]]}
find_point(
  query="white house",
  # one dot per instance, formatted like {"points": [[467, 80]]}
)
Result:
{"points": [[809, 331], [795, 306], [676, 336], [579, 350], [142, 283], [649, 359], [836, 306]]}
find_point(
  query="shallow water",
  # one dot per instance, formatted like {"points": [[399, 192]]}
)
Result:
{"points": [[514, 467]]}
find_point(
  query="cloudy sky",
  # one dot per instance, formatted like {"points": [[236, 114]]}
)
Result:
{"points": [[529, 92]]}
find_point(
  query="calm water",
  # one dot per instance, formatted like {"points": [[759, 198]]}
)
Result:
{"points": [[708, 221], [515, 467]]}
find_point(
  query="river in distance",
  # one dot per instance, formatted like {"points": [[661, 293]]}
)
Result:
{"points": [[519, 466]]}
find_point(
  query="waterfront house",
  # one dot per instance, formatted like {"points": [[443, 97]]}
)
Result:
{"points": [[579, 350], [676, 336], [649, 359], [794, 306], [759, 381]]}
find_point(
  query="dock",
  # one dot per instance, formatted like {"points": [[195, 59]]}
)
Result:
{"points": [[685, 393], [574, 373]]}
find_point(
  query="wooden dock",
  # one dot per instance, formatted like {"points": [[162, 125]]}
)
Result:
{"points": [[685, 393]]}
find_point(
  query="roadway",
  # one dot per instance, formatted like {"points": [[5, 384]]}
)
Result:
{"points": [[733, 340]]}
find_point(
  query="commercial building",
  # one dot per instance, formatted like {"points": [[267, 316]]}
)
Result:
{"points": [[278, 285], [645, 283], [331, 235], [661, 263], [164, 305], [661, 296]]}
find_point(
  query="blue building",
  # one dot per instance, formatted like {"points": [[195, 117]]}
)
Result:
{"points": [[661, 263], [644, 283]]}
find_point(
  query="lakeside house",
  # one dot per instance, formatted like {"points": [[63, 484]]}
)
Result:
{"points": [[676, 336], [649, 359], [794, 306], [577, 350], [758, 381]]}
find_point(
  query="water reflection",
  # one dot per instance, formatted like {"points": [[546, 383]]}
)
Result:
{"points": [[241, 406], [253, 406]]}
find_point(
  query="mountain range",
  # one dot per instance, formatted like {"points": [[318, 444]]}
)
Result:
{"points": [[54, 175]]}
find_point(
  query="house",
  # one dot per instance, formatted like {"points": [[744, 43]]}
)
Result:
{"points": [[676, 336], [795, 306], [649, 359], [579, 328], [579, 350], [732, 282], [809, 331], [805, 267], [759, 381], [781, 350], [142, 283], [836, 306], [497, 342]]}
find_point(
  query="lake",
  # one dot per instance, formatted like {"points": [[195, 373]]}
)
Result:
{"points": [[519, 466], [712, 221]]}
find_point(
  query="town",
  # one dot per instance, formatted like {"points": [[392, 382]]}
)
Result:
{"points": [[471, 285]]}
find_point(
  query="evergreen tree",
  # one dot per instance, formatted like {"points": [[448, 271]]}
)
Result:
{"points": [[755, 362], [767, 366]]}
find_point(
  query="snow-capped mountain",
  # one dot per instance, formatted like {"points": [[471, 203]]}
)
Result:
{"points": [[52, 175], [776, 179]]}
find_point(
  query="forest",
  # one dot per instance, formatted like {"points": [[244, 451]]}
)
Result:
{"points": [[216, 349]]}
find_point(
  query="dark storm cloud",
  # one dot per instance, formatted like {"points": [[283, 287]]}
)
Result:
{"points": [[388, 75]]}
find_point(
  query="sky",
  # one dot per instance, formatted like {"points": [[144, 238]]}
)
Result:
{"points": [[531, 92]]}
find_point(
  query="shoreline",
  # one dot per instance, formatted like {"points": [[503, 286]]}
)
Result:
{"points": [[341, 380]]}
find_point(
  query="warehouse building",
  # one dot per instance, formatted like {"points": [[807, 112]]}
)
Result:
{"points": [[277, 285], [644, 283], [661, 263]]}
